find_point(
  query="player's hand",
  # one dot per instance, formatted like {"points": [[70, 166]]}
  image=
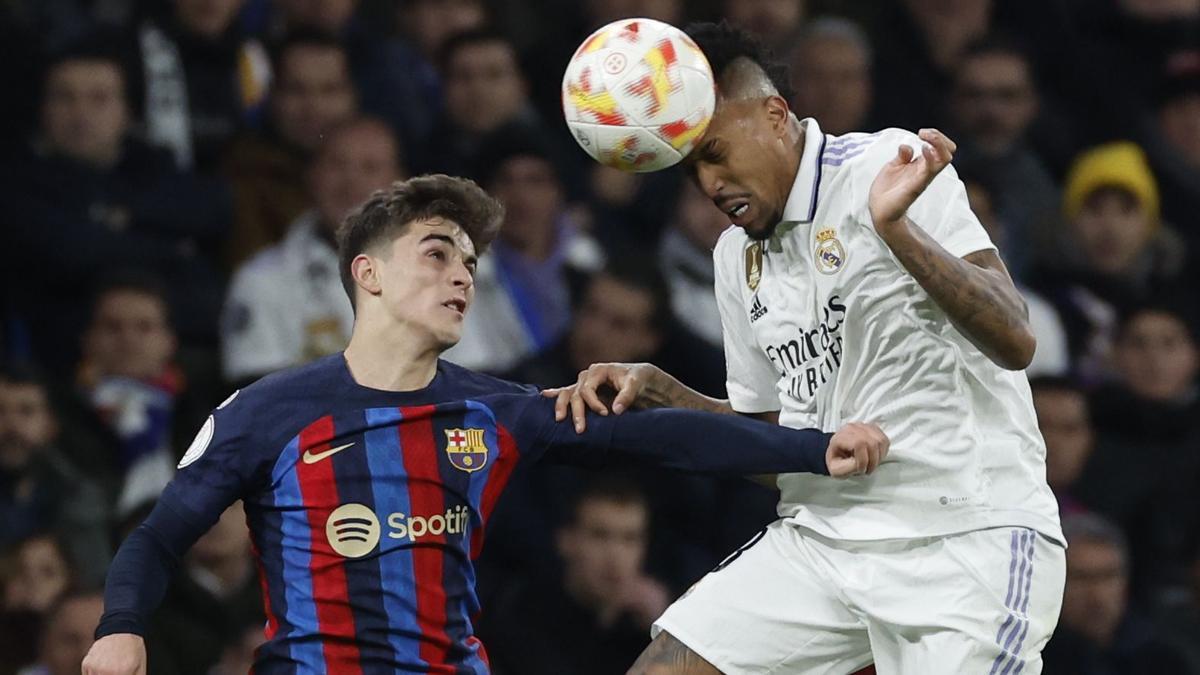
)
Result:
{"points": [[902, 180], [628, 380], [116, 654], [856, 450]]}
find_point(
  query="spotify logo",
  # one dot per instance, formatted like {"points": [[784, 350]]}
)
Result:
{"points": [[353, 530]]}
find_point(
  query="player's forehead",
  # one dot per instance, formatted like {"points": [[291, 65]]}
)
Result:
{"points": [[438, 229]]}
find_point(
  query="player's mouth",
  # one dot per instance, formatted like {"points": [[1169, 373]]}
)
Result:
{"points": [[737, 208], [457, 304]]}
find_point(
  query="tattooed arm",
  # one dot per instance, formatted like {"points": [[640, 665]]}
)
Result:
{"points": [[975, 291]]}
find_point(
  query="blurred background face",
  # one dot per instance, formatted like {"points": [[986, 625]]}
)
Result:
{"points": [[1180, 123], [832, 79], [615, 322], [228, 538], [313, 94], [352, 164], [604, 549], [1156, 357], [771, 20], [533, 199], [129, 336], [994, 101], [1094, 599], [330, 16], [42, 575], [26, 423], [1066, 427], [430, 22], [484, 87], [69, 635], [1111, 229], [208, 18], [84, 113], [699, 219]]}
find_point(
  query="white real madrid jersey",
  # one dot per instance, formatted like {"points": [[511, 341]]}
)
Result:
{"points": [[824, 324]]}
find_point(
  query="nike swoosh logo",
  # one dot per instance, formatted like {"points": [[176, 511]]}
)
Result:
{"points": [[311, 457]]}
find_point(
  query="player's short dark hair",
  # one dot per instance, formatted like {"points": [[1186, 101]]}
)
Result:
{"points": [[724, 44], [136, 281], [388, 213], [303, 37], [471, 37], [614, 486]]}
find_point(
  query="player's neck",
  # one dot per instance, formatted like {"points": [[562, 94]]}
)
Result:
{"points": [[390, 360]]}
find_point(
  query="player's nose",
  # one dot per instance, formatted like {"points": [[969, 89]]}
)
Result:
{"points": [[710, 182]]}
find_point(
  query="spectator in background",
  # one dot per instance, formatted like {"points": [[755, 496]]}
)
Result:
{"points": [[1172, 138], [1097, 633], [993, 103], [595, 617], [89, 197], [1066, 426], [523, 286], [201, 77], [1115, 254], [312, 93], [774, 22], [918, 43], [214, 594], [1146, 420], [831, 75], [685, 256], [430, 23], [1178, 616], [40, 489], [44, 571], [134, 385], [484, 90], [393, 80], [286, 305], [1051, 357], [68, 635]]}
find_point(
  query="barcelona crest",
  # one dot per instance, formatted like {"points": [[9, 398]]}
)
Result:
{"points": [[465, 449]]}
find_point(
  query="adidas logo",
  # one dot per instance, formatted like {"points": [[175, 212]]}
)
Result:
{"points": [[757, 309]]}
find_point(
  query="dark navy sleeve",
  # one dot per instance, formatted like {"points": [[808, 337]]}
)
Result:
{"points": [[219, 467], [686, 440]]}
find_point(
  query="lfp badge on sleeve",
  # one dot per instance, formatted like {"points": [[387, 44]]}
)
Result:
{"points": [[466, 449]]}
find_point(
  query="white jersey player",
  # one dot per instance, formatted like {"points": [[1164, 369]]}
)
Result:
{"points": [[856, 283]]}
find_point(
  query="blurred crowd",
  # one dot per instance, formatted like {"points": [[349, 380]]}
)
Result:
{"points": [[172, 171]]}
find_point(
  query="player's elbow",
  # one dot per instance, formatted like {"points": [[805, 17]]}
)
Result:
{"points": [[1017, 352]]}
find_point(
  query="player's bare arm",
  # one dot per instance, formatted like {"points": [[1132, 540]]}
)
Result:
{"points": [[668, 656], [976, 291]]}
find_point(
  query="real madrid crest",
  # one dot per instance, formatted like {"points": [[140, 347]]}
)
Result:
{"points": [[754, 257], [466, 449], [829, 255]]}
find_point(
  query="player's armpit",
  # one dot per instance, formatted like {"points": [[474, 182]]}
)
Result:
{"points": [[668, 656]]}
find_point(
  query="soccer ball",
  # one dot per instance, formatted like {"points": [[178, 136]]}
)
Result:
{"points": [[637, 95]]}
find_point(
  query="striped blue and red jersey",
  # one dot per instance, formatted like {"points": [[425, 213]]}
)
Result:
{"points": [[366, 508]]}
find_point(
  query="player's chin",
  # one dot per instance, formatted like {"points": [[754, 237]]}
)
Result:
{"points": [[759, 229]]}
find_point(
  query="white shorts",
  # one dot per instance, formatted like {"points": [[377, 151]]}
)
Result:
{"points": [[791, 601]]}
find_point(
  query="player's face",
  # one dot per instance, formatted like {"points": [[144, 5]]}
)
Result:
{"points": [[745, 163], [427, 283]]}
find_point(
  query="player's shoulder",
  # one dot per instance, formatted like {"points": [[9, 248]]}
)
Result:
{"points": [[472, 384], [861, 154], [730, 245], [271, 396]]}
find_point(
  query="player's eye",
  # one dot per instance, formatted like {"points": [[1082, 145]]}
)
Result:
{"points": [[437, 254]]}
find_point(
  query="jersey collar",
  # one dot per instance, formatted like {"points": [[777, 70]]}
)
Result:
{"points": [[801, 203]]}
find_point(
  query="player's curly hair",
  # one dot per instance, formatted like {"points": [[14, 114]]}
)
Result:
{"points": [[723, 44], [388, 213]]}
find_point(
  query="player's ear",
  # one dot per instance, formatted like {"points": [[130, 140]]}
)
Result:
{"points": [[778, 112], [366, 273]]}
